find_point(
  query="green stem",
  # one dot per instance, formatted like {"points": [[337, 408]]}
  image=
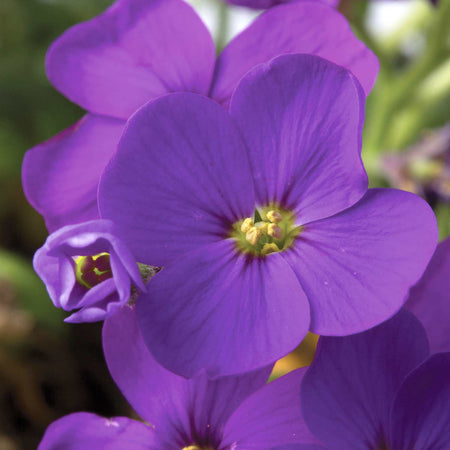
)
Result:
{"points": [[223, 22]]}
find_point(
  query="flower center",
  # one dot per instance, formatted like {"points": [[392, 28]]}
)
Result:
{"points": [[196, 447], [273, 230], [92, 270]]}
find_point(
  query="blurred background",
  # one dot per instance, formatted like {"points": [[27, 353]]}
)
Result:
{"points": [[49, 368]]}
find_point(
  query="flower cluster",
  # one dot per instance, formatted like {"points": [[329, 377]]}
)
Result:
{"points": [[212, 212]]}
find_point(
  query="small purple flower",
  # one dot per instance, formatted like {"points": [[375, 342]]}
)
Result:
{"points": [[429, 299], [239, 288], [237, 412], [139, 50], [87, 269], [264, 4], [378, 390]]}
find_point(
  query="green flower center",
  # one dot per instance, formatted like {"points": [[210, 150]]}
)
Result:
{"points": [[269, 231], [92, 270], [196, 447]]}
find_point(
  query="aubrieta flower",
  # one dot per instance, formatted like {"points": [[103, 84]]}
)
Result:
{"points": [[261, 218], [139, 50], [87, 269], [429, 299], [380, 389], [237, 412]]}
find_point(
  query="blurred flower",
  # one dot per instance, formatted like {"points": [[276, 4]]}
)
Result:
{"points": [[183, 189], [424, 168], [87, 269], [386, 390], [139, 50], [226, 413]]}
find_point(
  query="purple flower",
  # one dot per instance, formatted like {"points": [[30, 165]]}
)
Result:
{"points": [[228, 413], [87, 269], [379, 389], [239, 291], [139, 50], [263, 4], [429, 299]]}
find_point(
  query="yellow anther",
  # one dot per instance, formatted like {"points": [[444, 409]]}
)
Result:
{"points": [[246, 224], [274, 230], [269, 248], [253, 235], [274, 216]]}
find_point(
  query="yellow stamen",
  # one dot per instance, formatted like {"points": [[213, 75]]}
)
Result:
{"points": [[246, 224], [269, 248], [262, 226], [275, 231], [274, 216], [253, 235]]}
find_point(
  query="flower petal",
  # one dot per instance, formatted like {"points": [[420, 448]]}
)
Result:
{"points": [[302, 118], [263, 4], [348, 390], [429, 299], [222, 311], [310, 28], [170, 402], [421, 415], [91, 432], [60, 177], [180, 178], [357, 266], [270, 417], [135, 51]]}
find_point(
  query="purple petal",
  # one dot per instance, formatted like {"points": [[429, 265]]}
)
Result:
{"points": [[357, 266], [60, 177], [302, 118], [222, 311], [180, 178], [170, 402], [309, 28], [91, 432], [134, 52], [54, 263], [348, 390], [263, 4], [270, 417], [429, 299], [421, 412]]}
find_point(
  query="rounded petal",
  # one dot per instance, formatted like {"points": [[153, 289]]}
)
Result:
{"points": [[421, 413], [180, 178], [302, 119], [429, 299], [349, 388], [135, 51], [222, 311], [303, 27], [91, 432], [357, 266], [270, 417], [60, 177], [171, 403]]}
